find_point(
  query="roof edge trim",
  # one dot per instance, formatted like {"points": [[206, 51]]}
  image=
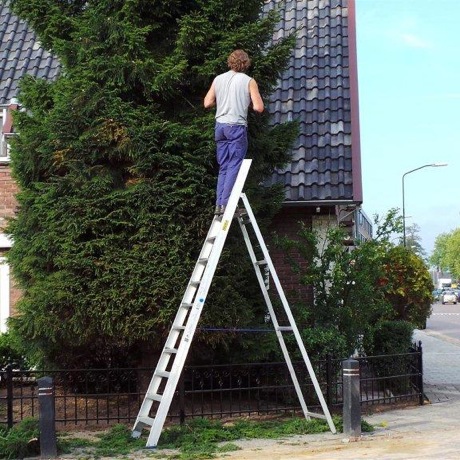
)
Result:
{"points": [[354, 101]]}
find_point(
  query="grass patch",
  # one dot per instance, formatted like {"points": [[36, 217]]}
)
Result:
{"points": [[229, 447], [115, 442], [199, 439], [366, 427]]}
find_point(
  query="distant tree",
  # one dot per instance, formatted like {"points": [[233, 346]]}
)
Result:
{"points": [[414, 240], [436, 258], [446, 253], [452, 254], [116, 169]]}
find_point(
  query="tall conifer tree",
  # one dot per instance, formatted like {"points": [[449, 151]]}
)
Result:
{"points": [[116, 168]]}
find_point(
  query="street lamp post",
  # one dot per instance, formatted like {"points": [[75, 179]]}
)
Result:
{"points": [[432, 165]]}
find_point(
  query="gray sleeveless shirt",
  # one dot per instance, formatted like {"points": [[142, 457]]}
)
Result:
{"points": [[232, 98]]}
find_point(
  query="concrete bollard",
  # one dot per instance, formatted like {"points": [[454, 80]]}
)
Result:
{"points": [[48, 444], [351, 398]]}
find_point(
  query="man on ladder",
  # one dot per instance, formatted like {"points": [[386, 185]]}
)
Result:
{"points": [[232, 92]]}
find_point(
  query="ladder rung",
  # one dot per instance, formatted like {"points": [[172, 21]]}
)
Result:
{"points": [[203, 260], [153, 397], [178, 328], [261, 262], [194, 283], [170, 350], [164, 374], [284, 328], [316, 415], [211, 239], [187, 305], [145, 420]]}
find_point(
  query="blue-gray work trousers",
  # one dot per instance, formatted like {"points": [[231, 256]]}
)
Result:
{"points": [[231, 146]]}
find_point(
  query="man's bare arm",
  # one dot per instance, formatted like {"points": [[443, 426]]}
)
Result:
{"points": [[210, 98], [256, 98]]}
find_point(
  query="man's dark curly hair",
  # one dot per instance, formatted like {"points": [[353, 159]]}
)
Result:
{"points": [[239, 61]]}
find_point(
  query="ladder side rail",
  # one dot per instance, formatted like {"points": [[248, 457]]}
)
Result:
{"points": [[288, 312], [179, 362], [201, 271], [197, 275], [198, 304], [199, 265], [179, 319], [190, 291], [274, 319], [221, 236], [183, 349]]}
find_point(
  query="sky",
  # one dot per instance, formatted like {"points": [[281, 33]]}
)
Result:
{"points": [[409, 99]]}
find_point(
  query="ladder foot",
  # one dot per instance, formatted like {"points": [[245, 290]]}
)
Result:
{"points": [[136, 434]]}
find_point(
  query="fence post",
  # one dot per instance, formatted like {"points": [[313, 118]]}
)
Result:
{"points": [[9, 395], [46, 405], [351, 398], [182, 398], [329, 379], [420, 373]]}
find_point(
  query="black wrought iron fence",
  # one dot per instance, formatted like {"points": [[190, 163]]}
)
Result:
{"points": [[107, 396]]}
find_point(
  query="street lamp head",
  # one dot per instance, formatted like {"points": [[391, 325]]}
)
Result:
{"points": [[434, 165]]}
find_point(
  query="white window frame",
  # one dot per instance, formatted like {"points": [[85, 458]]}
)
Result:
{"points": [[4, 294], [4, 147], [5, 307]]}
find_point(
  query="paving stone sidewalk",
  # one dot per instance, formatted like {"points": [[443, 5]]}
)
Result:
{"points": [[441, 366]]}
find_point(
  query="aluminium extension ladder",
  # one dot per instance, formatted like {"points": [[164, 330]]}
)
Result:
{"points": [[171, 362]]}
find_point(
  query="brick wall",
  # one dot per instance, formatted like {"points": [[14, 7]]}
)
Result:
{"points": [[8, 190]]}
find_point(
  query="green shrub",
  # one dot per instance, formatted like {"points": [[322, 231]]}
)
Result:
{"points": [[14, 443], [392, 337], [9, 353], [320, 341]]}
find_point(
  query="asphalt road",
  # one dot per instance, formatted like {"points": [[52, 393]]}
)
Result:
{"points": [[445, 320]]}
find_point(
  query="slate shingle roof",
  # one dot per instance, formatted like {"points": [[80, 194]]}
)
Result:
{"points": [[319, 88], [21, 54]]}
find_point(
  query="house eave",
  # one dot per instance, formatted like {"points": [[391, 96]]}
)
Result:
{"points": [[312, 203]]}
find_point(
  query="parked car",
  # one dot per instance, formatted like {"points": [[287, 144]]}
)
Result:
{"points": [[449, 297], [457, 293]]}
